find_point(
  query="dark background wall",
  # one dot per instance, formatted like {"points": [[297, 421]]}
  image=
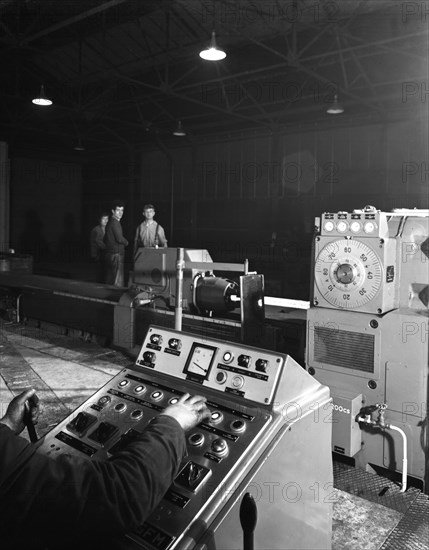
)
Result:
{"points": [[257, 197], [46, 208], [252, 197]]}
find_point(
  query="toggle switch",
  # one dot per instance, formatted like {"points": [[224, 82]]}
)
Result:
{"points": [[81, 423], [103, 432], [192, 476]]}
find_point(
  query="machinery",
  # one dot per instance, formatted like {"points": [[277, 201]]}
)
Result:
{"points": [[166, 285], [367, 334], [267, 417], [182, 282]]}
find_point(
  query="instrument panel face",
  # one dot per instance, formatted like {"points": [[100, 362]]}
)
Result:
{"points": [[356, 262], [222, 366], [348, 273]]}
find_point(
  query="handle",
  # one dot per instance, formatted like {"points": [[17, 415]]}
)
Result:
{"points": [[31, 403], [248, 519]]}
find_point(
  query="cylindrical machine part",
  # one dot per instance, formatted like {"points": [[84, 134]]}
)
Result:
{"points": [[214, 294], [180, 264]]}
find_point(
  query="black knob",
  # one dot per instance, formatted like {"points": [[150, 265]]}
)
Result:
{"points": [[149, 357], [244, 361]]}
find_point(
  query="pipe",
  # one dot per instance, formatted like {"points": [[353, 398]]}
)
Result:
{"points": [[404, 459], [180, 264], [382, 425]]}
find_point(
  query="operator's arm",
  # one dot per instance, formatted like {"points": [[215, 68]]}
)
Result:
{"points": [[40, 496]]}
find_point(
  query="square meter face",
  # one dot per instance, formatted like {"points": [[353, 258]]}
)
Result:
{"points": [[200, 361]]}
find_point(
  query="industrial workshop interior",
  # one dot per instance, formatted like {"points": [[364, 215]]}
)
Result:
{"points": [[214, 274]]}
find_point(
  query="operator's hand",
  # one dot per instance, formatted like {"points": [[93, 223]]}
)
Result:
{"points": [[188, 411], [14, 417]]}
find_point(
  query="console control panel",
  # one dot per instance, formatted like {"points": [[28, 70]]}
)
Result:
{"points": [[223, 366], [239, 383]]}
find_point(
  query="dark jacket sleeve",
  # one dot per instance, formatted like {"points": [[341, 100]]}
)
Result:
{"points": [[85, 497], [118, 235]]}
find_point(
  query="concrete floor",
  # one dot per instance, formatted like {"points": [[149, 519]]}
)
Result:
{"points": [[66, 370]]}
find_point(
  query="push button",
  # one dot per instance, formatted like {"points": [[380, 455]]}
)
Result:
{"points": [[123, 383], [219, 446], [137, 414], [221, 377], [157, 395], [196, 439], [120, 407], [238, 426], [238, 382], [139, 389], [104, 400], [216, 417]]}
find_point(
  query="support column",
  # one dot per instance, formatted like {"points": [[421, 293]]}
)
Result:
{"points": [[4, 197]]}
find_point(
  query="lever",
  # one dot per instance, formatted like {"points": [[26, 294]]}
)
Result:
{"points": [[248, 519], [30, 404]]}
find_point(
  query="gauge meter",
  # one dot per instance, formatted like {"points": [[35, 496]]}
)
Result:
{"points": [[199, 361], [348, 273]]}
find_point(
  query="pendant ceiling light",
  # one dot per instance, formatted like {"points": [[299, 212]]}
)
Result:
{"points": [[335, 108], [79, 146], [41, 99], [213, 53], [179, 131]]}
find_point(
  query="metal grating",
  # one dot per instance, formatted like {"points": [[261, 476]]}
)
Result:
{"points": [[374, 488], [343, 348], [412, 532]]}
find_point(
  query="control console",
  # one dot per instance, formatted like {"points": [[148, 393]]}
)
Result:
{"points": [[242, 388]]}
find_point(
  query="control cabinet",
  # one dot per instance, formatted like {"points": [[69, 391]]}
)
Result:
{"points": [[367, 332], [267, 417]]}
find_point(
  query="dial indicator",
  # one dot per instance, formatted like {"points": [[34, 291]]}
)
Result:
{"points": [[348, 273], [200, 360]]}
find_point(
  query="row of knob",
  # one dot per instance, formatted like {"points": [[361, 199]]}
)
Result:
{"points": [[173, 343], [243, 360], [156, 395]]}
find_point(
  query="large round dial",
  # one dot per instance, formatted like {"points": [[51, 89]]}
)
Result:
{"points": [[348, 273]]}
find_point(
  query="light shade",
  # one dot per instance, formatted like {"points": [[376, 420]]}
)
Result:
{"points": [[41, 99], [335, 108], [213, 53], [179, 131], [79, 146]]}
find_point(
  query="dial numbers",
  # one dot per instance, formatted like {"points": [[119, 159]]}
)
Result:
{"points": [[348, 273]]}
